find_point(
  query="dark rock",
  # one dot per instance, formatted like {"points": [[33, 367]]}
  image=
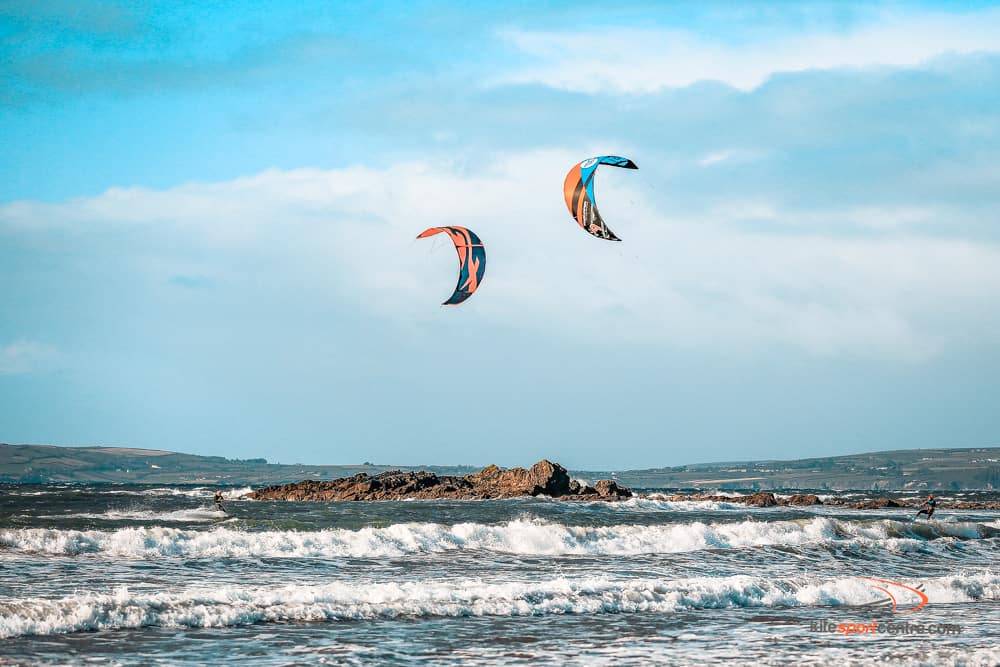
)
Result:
{"points": [[609, 488], [803, 499], [760, 499], [543, 478], [880, 503]]}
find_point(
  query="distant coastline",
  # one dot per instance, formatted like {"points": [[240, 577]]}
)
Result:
{"points": [[909, 469]]}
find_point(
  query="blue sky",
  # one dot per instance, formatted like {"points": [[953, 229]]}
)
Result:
{"points": [[207, 222]]}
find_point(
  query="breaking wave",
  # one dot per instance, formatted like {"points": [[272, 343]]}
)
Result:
{"points": [[523, 537], [196, 492], [240, 605], [192, 515], [656, 502], [189, 492]]}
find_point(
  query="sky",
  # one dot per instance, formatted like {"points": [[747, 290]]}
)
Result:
{"points": [[208, 215]]}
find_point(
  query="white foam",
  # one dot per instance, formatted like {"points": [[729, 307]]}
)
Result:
{"points": [[197, 492], [528, 537], [219, 606], [193, 515], [658, 502], [524, 536]]}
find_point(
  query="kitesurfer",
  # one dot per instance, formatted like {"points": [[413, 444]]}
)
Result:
{"points": [[218, 501], [928, 507]]}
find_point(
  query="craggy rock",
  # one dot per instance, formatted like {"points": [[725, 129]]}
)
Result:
{"points": [[543, 478], [715, 498], [970, 505], [803, 499], [761, 499], [386, 486], [880, 503], [608, 488]]}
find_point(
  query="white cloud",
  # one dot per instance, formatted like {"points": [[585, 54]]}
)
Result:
{"points": [[715, 158], [25, 356], [730, 156], [707, 282], [872, 217], [628, 60]]}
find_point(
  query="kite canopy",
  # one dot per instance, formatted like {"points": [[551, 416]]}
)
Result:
{"points": [[471, 261], [579, 192]]}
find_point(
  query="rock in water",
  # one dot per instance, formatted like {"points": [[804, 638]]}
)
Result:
{"points": [[760, 499], [543, 478], [880, 503], [608, 488], [804, 499]]}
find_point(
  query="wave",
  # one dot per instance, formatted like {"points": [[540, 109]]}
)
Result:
{"points": [[192, 492], [240, 605], [656, 502], [197, 492], [523, 537], [192, 515]]}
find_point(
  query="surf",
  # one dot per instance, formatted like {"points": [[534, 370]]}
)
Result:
{"points": [[528, 536], [223, 606]]}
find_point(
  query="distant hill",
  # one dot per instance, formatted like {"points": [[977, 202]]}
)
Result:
{"points": [[974, 468], [47, 463]]}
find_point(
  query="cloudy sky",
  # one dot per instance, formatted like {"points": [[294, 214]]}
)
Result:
{"points": [[208, 219]]}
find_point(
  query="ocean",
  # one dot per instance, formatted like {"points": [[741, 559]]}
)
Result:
{"points": [[139, 575]]}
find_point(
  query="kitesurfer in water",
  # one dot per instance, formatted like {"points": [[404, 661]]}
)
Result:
{"points": [[928, 507], [218, 501]]}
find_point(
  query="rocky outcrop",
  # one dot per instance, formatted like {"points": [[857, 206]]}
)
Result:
{"points": [[880, 503], [608, 488], [801, 499], [806, 499], [885, 502], [970, 505], [759, 499], [544, 478]]}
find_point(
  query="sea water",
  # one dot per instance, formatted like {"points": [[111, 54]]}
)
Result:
{"points": [[119, 574]]}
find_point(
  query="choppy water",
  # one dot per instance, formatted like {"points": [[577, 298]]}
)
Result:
{"points": [[141, 575]]}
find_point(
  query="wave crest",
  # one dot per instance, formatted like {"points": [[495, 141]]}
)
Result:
{"points": [[523, 537], [227, 606]]}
